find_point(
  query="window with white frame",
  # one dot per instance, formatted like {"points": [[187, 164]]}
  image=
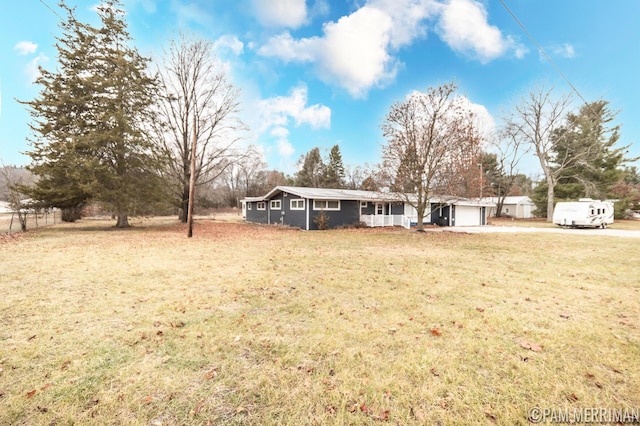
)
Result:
{"points": [[276, 204], [326, 205], [297, 204], [249, 206], [363, 204], [262, 205]]}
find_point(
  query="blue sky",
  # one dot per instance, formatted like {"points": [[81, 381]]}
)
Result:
{"points": [[320, 72]]}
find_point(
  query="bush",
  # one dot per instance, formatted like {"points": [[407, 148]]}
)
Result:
{"points": [[322, 220]]}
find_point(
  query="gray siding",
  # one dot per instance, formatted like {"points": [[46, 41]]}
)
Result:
{"points": [[255, 215], [348, 214], [275, 215], [297, 218]]}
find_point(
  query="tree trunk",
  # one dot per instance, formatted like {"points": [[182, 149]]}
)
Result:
{"points": [[184, 204], [420, 213], [550, 196], [123, 220]]}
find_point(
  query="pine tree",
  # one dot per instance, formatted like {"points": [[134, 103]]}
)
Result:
{"points": [[311, 171], [334, 170], [89, 120]]}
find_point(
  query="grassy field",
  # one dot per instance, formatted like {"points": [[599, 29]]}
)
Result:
{"points": [[246, 324]]}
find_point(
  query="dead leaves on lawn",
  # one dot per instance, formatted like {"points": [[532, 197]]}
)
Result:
{"points": [[531, 346]]}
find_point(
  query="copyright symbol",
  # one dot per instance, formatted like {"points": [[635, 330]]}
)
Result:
{"points": [[535, 415]]}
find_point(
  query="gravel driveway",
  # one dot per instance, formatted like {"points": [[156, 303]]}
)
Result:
{"points": [[517, 229]]}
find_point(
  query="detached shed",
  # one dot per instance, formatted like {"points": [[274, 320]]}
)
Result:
{"points": [[519, 207]]}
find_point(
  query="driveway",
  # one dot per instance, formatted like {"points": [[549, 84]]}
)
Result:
{"points": [[609, 232]]}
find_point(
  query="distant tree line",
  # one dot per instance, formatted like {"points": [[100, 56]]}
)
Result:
{"points": [[108, 130]]}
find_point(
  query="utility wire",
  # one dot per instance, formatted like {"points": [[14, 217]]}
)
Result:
{"points": [[542, 51], [52, 11]]}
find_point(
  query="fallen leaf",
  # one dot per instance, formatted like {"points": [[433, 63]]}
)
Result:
{"points": [[435, 372], [330, 409], [363, 408], [572, 397], [147, 400], [45, 387], [565, 316], [198, 408], [31, 393], [436, 332], [491, 416], [31, 338], [43, 409], [531, 346], [240, 409], [211, 374], [479, 309], [384, 415], [418, 413]]}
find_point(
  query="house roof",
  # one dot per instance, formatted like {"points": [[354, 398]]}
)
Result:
{"points": [[331, 194], [358, 195], [512, 199]]}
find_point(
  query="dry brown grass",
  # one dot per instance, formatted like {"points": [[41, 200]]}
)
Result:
{"points": [[251, 324]]}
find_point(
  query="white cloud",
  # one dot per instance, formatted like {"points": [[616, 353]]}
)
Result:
{"points": [[564, 50], [190, 13], [32, 70], [281, 13], [229, 42], [352, 54], [357, 52], [409, 18], [464, 27], [26, 47], [277, 111], [277, 114], [285, 149]]}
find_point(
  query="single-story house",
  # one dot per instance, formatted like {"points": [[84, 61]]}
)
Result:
{"points": [[300, 207], [519, 207]]}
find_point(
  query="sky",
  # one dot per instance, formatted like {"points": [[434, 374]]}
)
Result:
{"points": [[325, 72]]}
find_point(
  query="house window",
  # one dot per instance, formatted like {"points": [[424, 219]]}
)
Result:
{"points": [[379, 209], [262, 205], [297, 204], [506, 210], [276, 204], [363, 204], [326, 204], [249, 206]]}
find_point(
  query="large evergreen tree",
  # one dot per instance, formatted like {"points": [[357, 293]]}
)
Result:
{"points": [[589, 137], [334, 170], [89, 120], [312, 169]]}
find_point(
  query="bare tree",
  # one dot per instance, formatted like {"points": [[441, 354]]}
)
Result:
{"points": [[197, 98], [509, 151], [430, 136], [535, 122], [13, 178]]}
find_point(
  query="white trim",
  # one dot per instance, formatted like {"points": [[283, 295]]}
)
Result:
{"points": [[325, 205], [364, 204], [297, 201], [276, 205], [264, 205]]}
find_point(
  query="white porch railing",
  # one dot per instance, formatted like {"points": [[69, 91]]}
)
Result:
{"points": [[373, 220]]}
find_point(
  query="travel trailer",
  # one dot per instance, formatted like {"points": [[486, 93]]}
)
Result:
{"points": [[583, 213]]}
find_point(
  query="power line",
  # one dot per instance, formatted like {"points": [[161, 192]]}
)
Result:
{"points": [[542, 51], [52, 11]]}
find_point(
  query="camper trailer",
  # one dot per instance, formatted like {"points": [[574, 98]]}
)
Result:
{"points": [[585, 213]]}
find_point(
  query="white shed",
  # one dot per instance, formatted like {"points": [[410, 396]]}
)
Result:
{"points": [[519, 207]]}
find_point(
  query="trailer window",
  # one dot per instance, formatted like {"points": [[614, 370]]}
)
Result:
{"points": [[592, 211]]}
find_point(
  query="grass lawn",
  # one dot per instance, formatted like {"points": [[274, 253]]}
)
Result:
{"points": [[624, 224], [246, 324]]}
